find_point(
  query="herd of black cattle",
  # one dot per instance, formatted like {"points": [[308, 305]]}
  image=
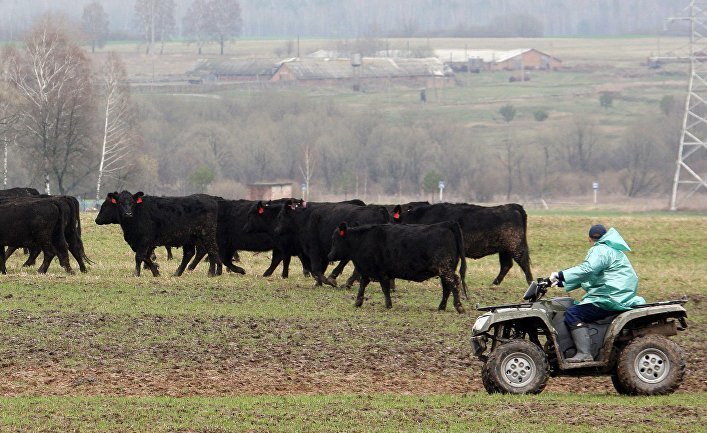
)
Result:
{"points": [[415, 241]]}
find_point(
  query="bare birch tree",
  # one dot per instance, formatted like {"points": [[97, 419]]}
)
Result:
{"points": [[8, 120], [117, 121], [52, 78], [307, 168]]}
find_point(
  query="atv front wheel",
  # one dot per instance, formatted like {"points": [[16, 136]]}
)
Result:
{"points": [[650, 365], [516, 367]]}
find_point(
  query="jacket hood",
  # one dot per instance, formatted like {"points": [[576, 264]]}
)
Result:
{"points": [[613, 239]]}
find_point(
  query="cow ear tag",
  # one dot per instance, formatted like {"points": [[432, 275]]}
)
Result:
{"points": [[260, 211], [342, 233], [396, 215], [114, 201], [139, 200]]}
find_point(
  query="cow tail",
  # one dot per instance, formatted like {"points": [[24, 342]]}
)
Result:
{"points": [[462, 256], [524, 241], [58, 237], [77, 212]]}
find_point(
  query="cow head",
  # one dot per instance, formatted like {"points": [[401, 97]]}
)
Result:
{"points": [[397, 213], [285, 220], [123, 207], [340, 245], [109, 210], [258, 218]]}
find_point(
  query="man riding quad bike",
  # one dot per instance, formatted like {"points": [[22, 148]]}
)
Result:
{"points": [[611, 331]]}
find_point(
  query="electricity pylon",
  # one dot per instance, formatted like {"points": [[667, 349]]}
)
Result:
{"points": [[693, 139]]}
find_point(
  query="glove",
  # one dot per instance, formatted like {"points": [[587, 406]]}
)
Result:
{"points": [[554, 279]]}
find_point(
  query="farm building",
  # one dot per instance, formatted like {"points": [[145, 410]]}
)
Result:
{"points": [[371, 70], [269, 190], [498, 60], [234, 69]]}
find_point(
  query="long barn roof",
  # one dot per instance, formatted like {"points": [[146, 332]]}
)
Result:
{"points": [[318, 69]]}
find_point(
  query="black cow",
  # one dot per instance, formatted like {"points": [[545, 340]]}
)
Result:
{"points": [[414, 252], [34, 224], [149, 221], [232, 236], [262, 218], [72, 229], [487, 230], [312, 226]]}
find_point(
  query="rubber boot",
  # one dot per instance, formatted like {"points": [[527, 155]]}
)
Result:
{"points": [[583, 344]]}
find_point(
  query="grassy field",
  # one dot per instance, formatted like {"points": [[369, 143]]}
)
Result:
{"points": [[110, 352]]}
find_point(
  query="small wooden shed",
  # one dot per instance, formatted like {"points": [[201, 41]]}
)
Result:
{"points": [[269, 190]]}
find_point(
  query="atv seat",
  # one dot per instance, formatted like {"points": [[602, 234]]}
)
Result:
{"points": [[606, 320]]}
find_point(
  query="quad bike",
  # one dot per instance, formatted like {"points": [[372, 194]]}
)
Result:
{"points": [[523, 344]]}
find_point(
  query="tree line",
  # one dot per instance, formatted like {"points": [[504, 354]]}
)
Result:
{"points": [[71, 127]]}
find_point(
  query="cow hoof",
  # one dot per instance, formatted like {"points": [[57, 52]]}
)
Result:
{"points": [[358, 303], [459, 309], [496, 282]]}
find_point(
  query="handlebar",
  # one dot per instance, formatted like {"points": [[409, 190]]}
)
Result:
{"points": [[537, 289]]}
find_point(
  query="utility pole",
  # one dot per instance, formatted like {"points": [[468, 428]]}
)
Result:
{"points": [[693, 138]]}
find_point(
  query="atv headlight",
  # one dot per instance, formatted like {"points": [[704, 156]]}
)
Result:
{"points": [[481, 322]]}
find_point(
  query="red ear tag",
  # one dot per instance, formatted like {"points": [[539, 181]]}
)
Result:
{"points": [[260, 211], [396, 215], [139, 200], [342, 233], [114, 201]]}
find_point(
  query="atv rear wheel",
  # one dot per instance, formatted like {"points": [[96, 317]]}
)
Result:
{"points": [[516, 367], [650, 365]]}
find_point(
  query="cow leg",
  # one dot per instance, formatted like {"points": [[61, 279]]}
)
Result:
{"points": [[3, 269], [215, 258], [277, 258], [356, 276], [9, 252], [236, 258], [338, 269], [200, 254], [227, 261], [145, 256], [450, 284], [169, 253], [63, 254], [154, 268], [506, 260], [385, 285], [306, 266], [361, 290], [76, 250], [32, 259], [523, 260], [187, 253], [48, 257]]}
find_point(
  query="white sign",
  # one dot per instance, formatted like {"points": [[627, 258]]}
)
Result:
{"points": [[595, 186], [441, 184]]}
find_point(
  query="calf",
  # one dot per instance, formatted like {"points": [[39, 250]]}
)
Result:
{"points": [[149, 221], [34, 224], [487, 230], [312, 226], [383, 252]]}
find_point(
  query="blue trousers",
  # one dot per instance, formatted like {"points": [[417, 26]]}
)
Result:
{"points": [[578, 315]]}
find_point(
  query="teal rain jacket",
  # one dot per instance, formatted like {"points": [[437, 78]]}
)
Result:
{"points": [[606, 275]]}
